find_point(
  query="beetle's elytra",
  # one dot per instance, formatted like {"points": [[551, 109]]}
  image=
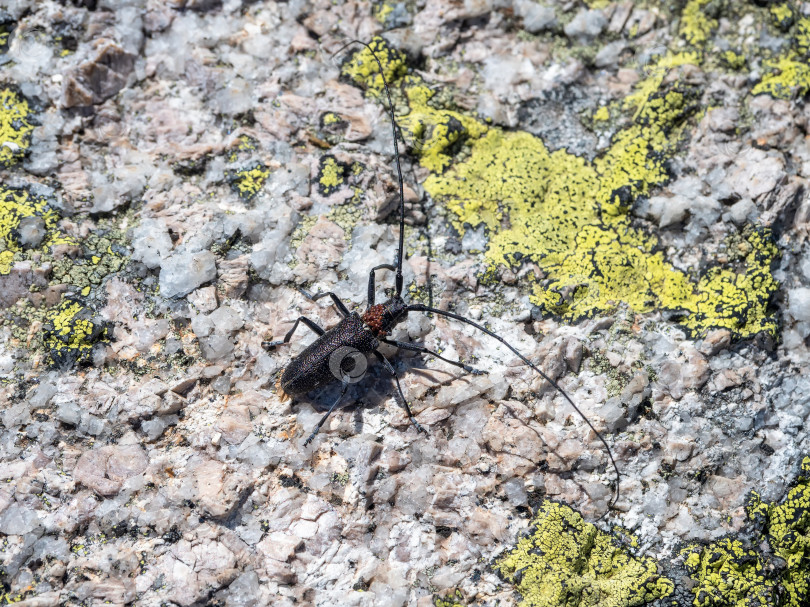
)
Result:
{"points": [[314, 367]]}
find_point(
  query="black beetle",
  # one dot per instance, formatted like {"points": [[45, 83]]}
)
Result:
{"points": [[340, 353]]}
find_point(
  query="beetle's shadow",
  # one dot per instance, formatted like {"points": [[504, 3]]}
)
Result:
{"points": [[375, 388]]}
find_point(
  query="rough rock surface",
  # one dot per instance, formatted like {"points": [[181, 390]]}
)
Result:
{"points": [[618, 189]]}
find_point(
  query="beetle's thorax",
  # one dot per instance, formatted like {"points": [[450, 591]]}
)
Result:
{"points": [[382, 318]]}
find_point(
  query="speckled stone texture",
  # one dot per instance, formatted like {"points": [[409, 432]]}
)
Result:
{"points": [[618, 189]]}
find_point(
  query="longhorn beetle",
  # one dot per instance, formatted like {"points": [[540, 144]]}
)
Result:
{"points": [[339, 353]]}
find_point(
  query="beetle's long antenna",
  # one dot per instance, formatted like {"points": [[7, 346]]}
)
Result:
{"points": [[401, 253], [422, 308]]}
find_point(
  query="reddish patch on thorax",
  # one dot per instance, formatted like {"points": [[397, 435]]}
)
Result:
{"points": [[373, 317]]}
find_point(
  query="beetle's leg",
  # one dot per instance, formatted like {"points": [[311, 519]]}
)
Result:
{"points": [[310, 323], [328, 413], [420, 348], [391, 370], [385, 266], [342, 309]]}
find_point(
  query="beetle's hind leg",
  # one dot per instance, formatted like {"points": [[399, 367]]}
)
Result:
{"points": [[393, 372], [267, 345], [327, 414], [420, 348]]}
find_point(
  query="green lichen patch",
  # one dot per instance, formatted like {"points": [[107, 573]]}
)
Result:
{"points": [[301, 230], [727, 574], [247, 182], [30, 232], [567, 562], [70, 333], [616, 380], [100, 253], [100, 256], [16, 126], [348, 213], [786, 526]]}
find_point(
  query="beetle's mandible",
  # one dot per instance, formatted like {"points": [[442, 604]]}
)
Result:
{"points": [[339, 354]]}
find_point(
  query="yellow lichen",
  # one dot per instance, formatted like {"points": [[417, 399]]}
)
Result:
{"points": [[565, 561], [781, 15], [656, 72], [801, 37], [787, 529], [381, 11], [727, 575], [696, 25], [733, 59], [331, 175], [6, 261], [69, 334], [247, 182], [635, 161], [16, 204], [246, 143], [453, 599], [329, 118], [15, 126], [430, 131], [363, 68], [788, 73], [570, 216], [6, 27]]}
